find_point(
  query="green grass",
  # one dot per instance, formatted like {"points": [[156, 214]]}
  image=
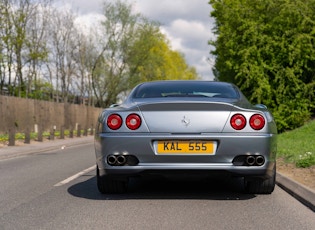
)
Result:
{"points": [[21, 136], [298, 146]]}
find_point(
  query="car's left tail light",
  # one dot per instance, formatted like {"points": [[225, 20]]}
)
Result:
{"points": [[133, 121], [114, 121]]}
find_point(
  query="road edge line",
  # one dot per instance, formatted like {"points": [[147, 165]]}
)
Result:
{"points": [[75, 176]]}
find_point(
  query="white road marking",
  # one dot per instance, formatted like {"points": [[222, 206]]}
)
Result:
{"points": [[69, 179]]}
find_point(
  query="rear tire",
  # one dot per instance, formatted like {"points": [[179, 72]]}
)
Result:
{"points": [[110, 185], [261, 186]]}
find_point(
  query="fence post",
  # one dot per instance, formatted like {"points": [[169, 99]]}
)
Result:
{"points": [[27, 139], [62, 132], [52, 134], [79, 131], [12, 137], [40, 134], [92, 130], [71, 133]]}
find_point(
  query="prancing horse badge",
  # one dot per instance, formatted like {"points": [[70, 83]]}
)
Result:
{"points": [[185, 121]]}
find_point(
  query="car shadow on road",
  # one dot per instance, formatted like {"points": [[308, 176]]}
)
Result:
{"points": [[162, 188]]}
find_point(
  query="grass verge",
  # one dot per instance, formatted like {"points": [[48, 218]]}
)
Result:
{"points": [[298, 146], [33, 136]]}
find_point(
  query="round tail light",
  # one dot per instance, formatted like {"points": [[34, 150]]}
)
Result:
{"points": [[133, 121], [257, 122], [114, 121], [238, 121]]}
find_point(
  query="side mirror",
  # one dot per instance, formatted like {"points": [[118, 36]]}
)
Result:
{"points": [[113, 105], [261, 106]]}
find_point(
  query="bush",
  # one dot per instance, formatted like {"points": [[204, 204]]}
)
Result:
{"points": [[291, 115]]}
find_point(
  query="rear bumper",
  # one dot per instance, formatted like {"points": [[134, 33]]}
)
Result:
{"points": [[228, 147]]}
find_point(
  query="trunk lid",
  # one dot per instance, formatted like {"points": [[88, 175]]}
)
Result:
{"points": [[186, 117]]}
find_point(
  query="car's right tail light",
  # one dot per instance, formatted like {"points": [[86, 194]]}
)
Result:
{"points": [[239, 122], [257, 122]]}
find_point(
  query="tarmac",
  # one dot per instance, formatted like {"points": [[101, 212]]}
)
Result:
{"points": [[302, 193]]}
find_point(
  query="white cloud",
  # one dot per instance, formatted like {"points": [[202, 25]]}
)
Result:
{"points": [[187, 25], [166, 11], [192, 33]]}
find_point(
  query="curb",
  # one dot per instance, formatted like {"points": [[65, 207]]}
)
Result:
{"points": [[19, 151], [300, 192]]}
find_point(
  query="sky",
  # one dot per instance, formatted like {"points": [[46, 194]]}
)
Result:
{"points": [[186, 23]]}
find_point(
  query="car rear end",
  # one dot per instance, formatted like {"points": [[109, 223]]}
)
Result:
{"points": [[184, 127]]}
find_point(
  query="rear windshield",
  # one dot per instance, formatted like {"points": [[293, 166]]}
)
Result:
{"points": [[186, 89]]}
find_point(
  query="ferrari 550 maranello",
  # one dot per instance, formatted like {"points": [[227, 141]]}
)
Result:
{"points": [[186, 128]]}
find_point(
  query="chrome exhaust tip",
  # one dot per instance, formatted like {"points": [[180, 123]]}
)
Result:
{"points": [[111, 160], [121, 159], [250, 160], [260, 160]]}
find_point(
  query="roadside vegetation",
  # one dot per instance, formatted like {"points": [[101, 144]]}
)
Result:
{"points": [[4, 138], [298, 146], [267, 48]]}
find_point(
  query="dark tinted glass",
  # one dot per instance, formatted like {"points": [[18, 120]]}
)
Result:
{"points": [[186, 89]]}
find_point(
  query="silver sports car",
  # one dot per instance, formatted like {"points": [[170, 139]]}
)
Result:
{"points": [[186, 128]]}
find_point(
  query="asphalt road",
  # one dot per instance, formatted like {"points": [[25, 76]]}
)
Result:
{"points": [[57, 190]]}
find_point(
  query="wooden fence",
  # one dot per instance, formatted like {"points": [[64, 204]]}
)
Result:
{"points": [[27, 115]]}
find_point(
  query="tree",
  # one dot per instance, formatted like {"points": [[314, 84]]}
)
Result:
{"points": [[110, 70], [151, 58], [132, 49], [7, 50], [63, 45], [85, 57], [267, 49], [21, 44], [20, 18], [36, 51]]}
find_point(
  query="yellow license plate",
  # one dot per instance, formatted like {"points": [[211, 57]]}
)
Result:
{"points": [[186, 147]]}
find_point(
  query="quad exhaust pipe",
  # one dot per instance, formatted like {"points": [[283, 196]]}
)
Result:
{"points": [[255, 160], [116, 160], [122, 160], [249, 160]]}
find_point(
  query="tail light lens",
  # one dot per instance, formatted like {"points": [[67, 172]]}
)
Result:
{"points": [[257, 122], [133, 121], [114, 121], [238, 121]]}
